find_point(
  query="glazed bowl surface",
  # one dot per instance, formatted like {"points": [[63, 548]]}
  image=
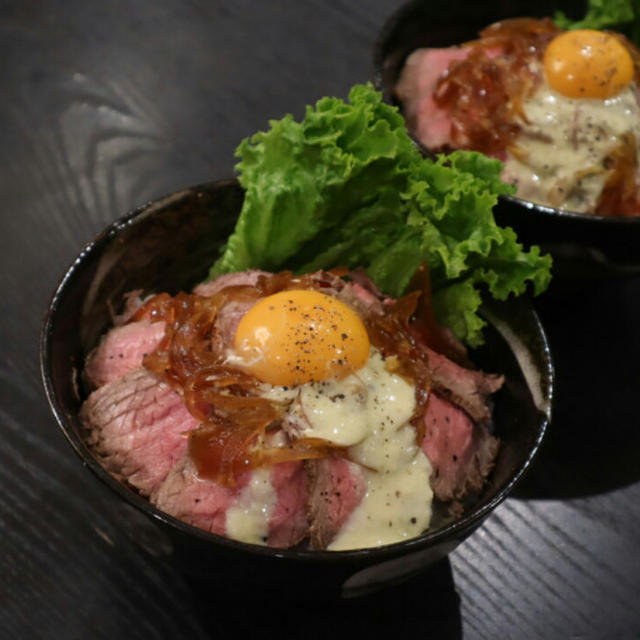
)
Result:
{"points": [[169, 245], [583, 245]]}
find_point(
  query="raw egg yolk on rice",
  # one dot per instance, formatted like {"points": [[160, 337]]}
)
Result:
{"points": [[300, 336], [587, 64]]}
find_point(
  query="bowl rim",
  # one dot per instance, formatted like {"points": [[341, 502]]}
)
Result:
{"points": [[425, 540], [393, 22], [568, 214]]}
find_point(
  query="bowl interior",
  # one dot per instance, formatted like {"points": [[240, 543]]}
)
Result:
{"points": [[169, 245], [582, 244]]}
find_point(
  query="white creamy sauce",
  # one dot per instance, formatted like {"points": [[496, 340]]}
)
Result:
{"points": [[248, 518], [396, 506], [386, 449], [336, 410], [560, 156], [285, 395], [368, 412], [371, 403]]}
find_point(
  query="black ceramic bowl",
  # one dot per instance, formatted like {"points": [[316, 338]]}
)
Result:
{"points": [[168, 245], [582, 244]]}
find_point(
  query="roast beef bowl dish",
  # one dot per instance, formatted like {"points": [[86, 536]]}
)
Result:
{"points": [[323, 382], [551, 90]]}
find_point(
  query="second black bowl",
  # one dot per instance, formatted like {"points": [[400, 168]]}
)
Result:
{"points": [[581, 244]]}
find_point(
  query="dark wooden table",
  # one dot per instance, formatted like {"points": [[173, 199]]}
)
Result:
{"points": [[106, 105]]}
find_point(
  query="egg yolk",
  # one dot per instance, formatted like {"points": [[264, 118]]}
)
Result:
{"points": [[299, 336], [587, 64]]}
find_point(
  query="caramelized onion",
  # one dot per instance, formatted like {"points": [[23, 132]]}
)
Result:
{"points": [[484, 92]]}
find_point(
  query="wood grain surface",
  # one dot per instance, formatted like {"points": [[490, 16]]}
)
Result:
{"points": [[106, 105]]}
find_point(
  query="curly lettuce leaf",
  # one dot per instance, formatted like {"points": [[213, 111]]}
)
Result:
{"points": [[347, 187], [620, 15], [302, 179], [455, 306]]}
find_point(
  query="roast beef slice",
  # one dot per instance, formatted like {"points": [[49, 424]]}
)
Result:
{"points": [[336, 487], [198, 502], [138, 425], [121, 350], [204, 503], [415, 90], [461, 453], [466, 388]]}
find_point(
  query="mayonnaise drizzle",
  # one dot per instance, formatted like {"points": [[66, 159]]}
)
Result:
{"points": [[559, 158], [248, 518], [369, 412], [396, 506]]}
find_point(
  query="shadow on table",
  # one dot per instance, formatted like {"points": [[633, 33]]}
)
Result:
{"points": [[428, 603], [593, 442]]}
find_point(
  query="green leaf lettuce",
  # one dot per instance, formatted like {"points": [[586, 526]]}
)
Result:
{"points": [[347, 187], [619, 15]]}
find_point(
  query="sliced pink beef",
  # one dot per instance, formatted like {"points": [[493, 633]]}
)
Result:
{"points": [[230, 315], [461, 453], [137, 424], [121, 351], [227, 322], [133, 300], [415, 89], [288, 524], [336, 487], [204, 503], [196, 501], [467, 388], [243, 278], [367, 297], [359, 276]]}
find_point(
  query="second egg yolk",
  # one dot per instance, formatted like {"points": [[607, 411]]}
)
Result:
{"points": [[587, 64], [299, 336]]}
